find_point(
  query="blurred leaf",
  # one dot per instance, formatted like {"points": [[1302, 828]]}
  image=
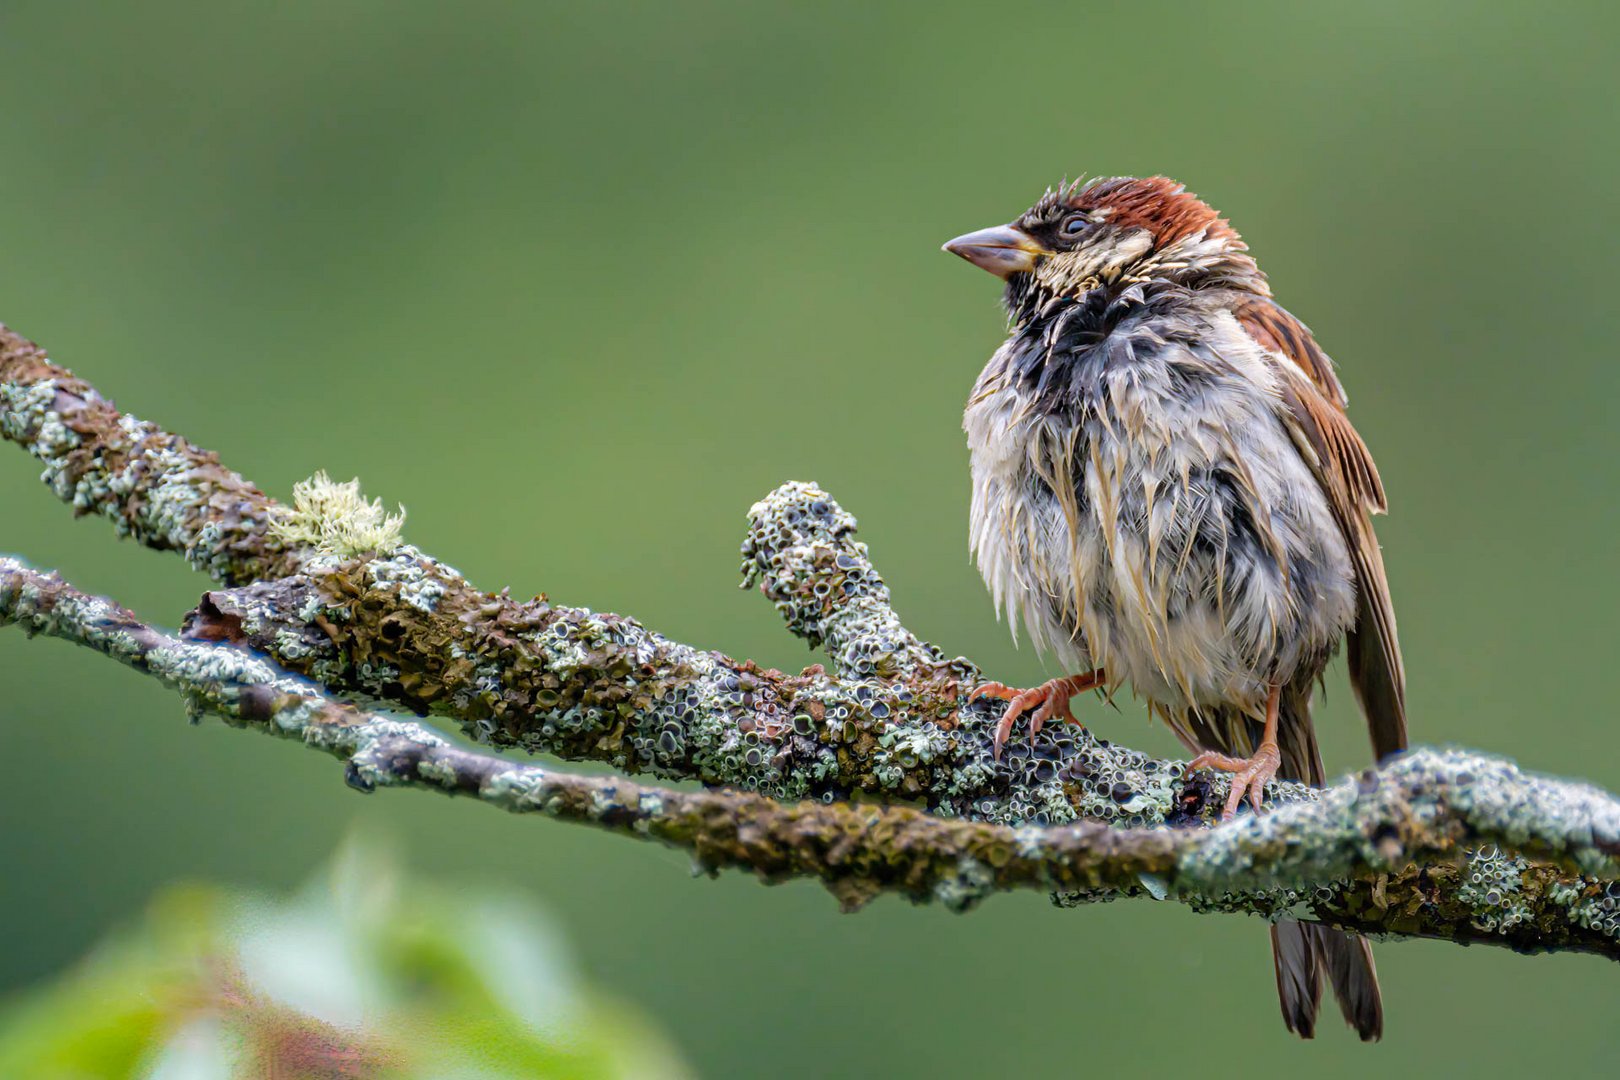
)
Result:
{"points": [[364, 974]]}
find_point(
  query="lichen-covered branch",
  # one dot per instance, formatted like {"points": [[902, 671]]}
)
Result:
{"points": [[1310, 857], [888, 717], [154, 486]]}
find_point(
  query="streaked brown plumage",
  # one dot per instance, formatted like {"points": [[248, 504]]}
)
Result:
{"points": [[1167, 492]]}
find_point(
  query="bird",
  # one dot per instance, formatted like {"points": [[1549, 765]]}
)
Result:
{"points": [[1167, 492]]}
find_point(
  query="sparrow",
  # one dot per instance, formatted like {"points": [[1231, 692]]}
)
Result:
{"points": [[1167, 492]]}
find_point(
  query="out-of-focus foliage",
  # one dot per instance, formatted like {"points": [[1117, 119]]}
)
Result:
{"points": [[365, 973]]}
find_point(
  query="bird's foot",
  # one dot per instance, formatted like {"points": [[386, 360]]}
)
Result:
{"points": [[1049, 699], [1249, 775]]}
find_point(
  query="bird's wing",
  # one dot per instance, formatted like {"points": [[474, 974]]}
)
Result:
{"points": [[1279, 332], [1344, 467]]}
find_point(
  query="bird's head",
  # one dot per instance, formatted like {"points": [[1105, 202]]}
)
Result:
{"points": [[1110, 232]]}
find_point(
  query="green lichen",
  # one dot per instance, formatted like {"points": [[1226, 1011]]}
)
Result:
{"points": [[1492, 883], [27, 416], [336, 519], [1594, 905]]}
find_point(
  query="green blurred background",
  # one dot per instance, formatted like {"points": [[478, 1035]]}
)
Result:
{"points": [[578, 283]]}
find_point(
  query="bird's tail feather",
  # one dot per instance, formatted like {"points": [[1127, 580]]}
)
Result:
{"points": [[1304, 952]]}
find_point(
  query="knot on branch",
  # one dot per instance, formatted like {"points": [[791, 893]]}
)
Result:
{"points": [[802, 553]]}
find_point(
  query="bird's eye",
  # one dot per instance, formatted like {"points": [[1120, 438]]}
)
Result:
{"points": [[1073, 225]]}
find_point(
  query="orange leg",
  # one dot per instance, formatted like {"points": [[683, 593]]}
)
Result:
{"points": [[1250, 774], [1052, 697]]}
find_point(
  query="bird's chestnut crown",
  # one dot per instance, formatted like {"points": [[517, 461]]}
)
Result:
{"points": [[1111, 231]]}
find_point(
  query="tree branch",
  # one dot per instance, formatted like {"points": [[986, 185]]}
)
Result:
{"points": [[1302, 858], [1384, 853], [156, 487]]}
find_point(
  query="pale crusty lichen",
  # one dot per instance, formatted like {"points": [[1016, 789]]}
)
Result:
{"points": [[1591, 904], [1492, 882], [336, 519]]}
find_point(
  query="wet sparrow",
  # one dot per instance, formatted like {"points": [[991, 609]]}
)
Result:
{"points": [[1167, 492]]}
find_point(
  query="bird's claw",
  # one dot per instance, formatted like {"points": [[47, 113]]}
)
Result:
{"points": [[1249, 775], [1050, 699]]}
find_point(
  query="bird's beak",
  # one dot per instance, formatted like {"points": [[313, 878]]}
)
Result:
{"points": [[1003, 250]]}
